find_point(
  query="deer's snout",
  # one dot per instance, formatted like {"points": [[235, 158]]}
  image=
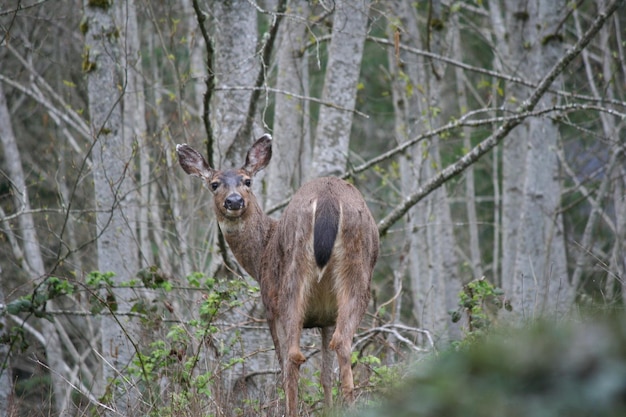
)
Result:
{"points": [[234, 202]]}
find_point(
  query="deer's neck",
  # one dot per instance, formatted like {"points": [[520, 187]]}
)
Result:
{"points": [[248, 237]]}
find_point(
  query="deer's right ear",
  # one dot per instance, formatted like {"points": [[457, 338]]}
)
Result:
{"points": [[193, 162], [259, 154]]}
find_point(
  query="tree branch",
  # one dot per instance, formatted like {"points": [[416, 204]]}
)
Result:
{"points": [[485, 146], [209, 81], [268, 47], [394, 329], [488, 72], [463, 122]]}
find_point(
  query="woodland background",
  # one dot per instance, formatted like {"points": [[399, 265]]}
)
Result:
{"points": [[488, 138]]}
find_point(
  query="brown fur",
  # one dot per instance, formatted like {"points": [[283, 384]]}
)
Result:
{"points": [[279, 254]]}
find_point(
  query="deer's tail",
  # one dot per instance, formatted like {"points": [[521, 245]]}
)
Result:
{"points": [[325, 230]]}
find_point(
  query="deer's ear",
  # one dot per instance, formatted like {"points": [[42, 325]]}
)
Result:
{"points": [[259, 155], [193, 162]]}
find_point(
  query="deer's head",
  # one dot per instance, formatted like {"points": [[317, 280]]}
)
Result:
{"points": [[231, 188]]}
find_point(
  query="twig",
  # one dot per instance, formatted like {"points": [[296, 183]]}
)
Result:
{"points": [[79, 388], [491, 73], [268, 47], [209, 81], [294, 95], [393, 328], [20, 8]]}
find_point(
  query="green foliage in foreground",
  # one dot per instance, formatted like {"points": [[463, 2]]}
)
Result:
{"points": [[543, 370]]}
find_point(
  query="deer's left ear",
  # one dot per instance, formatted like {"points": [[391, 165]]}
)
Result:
{"points": [[259, 155]]}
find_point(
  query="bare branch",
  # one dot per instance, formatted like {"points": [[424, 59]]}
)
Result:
{"points": [[20, 8], [486, 145], [464, 122], [394, 329], [298, 96], [492, 73], [268, 47]]}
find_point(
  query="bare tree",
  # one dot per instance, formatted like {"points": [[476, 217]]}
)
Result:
{"points": [[417, 94], [236, 65], [30, 252], [332, 135], [6, 380], [291, 134], [114, 198], [537, 278]]}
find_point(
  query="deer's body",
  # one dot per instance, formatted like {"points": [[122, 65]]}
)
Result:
{"points": [[314, 265]]}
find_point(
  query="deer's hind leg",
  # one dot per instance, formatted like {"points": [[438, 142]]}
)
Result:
{"points": [[327, 366], [353, 296]]}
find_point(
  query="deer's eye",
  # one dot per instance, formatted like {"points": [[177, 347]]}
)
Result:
{"points": [[247, 182], [214, 185]]}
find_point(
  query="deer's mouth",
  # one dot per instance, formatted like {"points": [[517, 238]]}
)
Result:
{"points": [[233, 214]]}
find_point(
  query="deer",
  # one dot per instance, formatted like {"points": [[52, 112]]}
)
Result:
{"points": [[314, 265]]}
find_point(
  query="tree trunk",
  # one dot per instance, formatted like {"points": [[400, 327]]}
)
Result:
{"points": [[6, 379], [470, 193], [435, 283], [113, 182], [406, 112], [134, 126], [32, 261], [236, 65], [289, 114], [541, 281], [613, 175], [332, 136], [512, 54], [618, 255], [197, 62]]}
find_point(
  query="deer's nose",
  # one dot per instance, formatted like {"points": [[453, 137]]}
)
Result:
{"points": [[233, 202]]}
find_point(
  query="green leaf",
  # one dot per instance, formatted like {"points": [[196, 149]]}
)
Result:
{"points": [[18, 306]]}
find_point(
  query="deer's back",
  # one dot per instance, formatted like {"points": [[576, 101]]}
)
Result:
{"points": [[325, 246]]}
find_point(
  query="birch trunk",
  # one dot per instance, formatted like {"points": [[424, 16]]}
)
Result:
{"points": [[618, 255], [197, 63], [447, 265], [177, 257], [245, 340]]}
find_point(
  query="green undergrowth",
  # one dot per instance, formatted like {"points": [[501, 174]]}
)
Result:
{"points": [[575, 368]]}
